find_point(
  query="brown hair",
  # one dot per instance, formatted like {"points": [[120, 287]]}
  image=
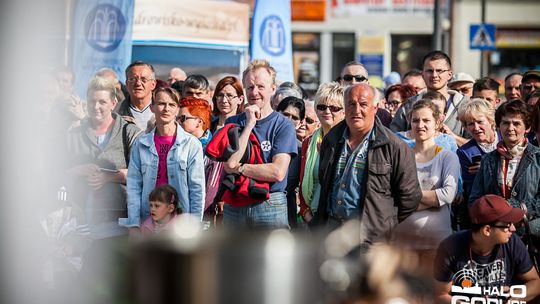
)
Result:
{"points": [[236, 84], [169, 91]]}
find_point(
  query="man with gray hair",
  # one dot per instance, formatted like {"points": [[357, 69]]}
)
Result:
{"points": [[286, 89], [366, 171], [176, 74]]}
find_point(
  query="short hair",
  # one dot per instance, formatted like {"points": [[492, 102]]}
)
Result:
{"points": [[412, 73], [260, 64], [103, 71], [405, 91], [424, 104], [178, 85], [287, 89], [197, 82], [161, 84], [331, 92], [486, 83], [140, 63], [169, 91], [198, 107], [102, 84], [377, 95], [165, 194], [437, 55], [516, 107], [511, 75], [475, 107], [295, 102], [354, 62], [233, 82]]}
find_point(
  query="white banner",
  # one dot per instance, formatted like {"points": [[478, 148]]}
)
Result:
{"points": [[341, 8], [271, 36], [196, 22]]}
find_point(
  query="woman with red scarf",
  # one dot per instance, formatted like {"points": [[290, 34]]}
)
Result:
{"points": [[513, 169]]}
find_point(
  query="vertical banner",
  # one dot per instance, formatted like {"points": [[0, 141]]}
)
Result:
{"points": [[370, 50], [271, 36], [101, 38]]}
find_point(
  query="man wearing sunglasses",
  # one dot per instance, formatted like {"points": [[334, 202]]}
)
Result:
{"points": [[487, 255], [437, 72]]}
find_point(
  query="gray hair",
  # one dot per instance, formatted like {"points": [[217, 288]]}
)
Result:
{"points": [[286, 89]]}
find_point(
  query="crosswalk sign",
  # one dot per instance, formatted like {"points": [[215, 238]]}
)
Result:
{"points": [[482, 36]]}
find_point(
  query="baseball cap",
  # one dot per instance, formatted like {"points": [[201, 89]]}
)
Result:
{"points": [[493, 208], [461, 77], [531, 74]]}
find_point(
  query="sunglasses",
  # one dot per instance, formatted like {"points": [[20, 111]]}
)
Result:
{"points": [[183, 118], [358, 78], [310, 121], [334, 109]]}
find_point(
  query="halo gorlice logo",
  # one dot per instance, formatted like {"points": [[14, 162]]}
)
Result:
{"points": [[272, 35], [105, 27], [465, 289]]}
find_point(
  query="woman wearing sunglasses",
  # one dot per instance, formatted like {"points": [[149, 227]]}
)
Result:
{"points": [[294, 109], [329, 109]]}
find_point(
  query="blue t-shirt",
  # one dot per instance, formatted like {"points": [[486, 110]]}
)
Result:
{"points": [[276, 134], [500, 268]]}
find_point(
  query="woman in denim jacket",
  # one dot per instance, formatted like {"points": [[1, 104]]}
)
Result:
{"points": [[166, 155], [513, 169]]}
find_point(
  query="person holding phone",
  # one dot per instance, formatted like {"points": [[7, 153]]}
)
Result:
{"points": [[478, 117]]}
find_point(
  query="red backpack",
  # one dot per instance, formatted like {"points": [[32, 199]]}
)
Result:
{"points": [[236, 189]]}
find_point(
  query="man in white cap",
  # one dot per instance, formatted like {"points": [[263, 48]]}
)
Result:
{"points": [[463, 83]]}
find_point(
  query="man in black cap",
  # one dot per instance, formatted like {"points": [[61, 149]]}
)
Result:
{"points": [[487, 260]]}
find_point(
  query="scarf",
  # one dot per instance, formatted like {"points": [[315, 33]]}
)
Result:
{"points": [[512, 156], [205, 138], [312, 156]]}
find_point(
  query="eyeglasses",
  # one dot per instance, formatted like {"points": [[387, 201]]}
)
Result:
{"points": [[142, 79], [291, 116], [431, 71], [358, 78], [333, 109], [183, 118], [504, 227], [227, 96]]}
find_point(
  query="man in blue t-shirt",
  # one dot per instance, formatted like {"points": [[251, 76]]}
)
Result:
{"points": [[488, 260], [277, 137]]}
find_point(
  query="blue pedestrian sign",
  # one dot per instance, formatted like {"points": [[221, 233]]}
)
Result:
{"points": [[482, 37]]}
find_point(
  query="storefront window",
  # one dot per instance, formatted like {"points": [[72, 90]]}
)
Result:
{"points": [[306, 60]]}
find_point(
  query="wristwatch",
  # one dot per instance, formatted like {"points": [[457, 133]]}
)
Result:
{"points": [[241, 169]]}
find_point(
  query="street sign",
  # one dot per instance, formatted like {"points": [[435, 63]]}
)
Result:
{"points": [[482, 37]]}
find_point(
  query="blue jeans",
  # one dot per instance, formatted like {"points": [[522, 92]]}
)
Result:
{"points": [[270, 214]]}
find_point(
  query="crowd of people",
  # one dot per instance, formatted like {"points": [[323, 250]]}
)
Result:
{"points": [[435, 163]]}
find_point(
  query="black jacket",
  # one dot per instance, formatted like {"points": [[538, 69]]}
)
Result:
{"points": [[390, 190]]}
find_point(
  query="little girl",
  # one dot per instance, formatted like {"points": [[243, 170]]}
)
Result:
{"points": [[163, 202]]}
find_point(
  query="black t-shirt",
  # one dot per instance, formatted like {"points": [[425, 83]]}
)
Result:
{"points": [[500, 268]]}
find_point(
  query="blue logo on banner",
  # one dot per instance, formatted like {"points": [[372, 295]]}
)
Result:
{"points": [[272, 34], [105, 27]]}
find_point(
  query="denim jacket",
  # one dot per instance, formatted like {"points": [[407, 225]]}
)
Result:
{"points": [[185, 169], [526, 184]]}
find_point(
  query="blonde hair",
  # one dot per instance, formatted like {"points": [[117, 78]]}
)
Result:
{"points": [[260, 64], [475, 107], [102, 84], [331, 92]]}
